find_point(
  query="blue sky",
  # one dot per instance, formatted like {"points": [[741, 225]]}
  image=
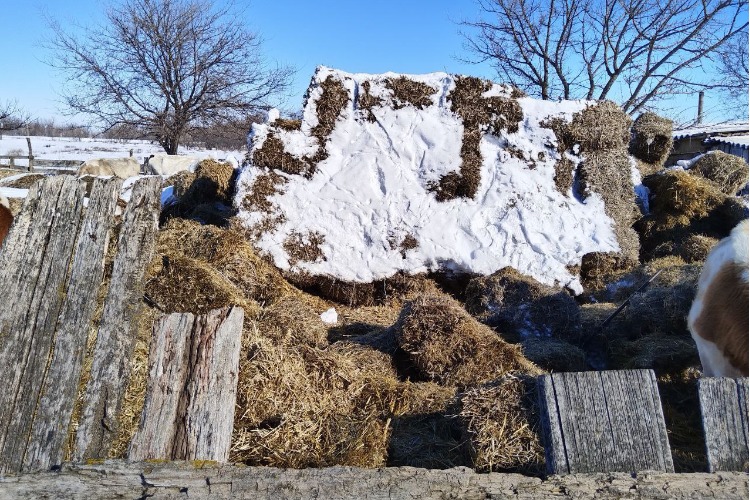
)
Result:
{"points": [[404, 36]]}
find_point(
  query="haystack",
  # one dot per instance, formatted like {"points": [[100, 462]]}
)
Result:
{"points": [[683, 204], [729, 172], [651, 139], [180, 182], [446, 345], [209, 196], [602, 126], [521, 307], [501, 423]]}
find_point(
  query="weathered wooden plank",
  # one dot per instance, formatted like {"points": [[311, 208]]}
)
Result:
{"points": [[193, 367], [110, 371], [603, 422], [724, 412], [180, 480], [34, 277], [52, 419]]}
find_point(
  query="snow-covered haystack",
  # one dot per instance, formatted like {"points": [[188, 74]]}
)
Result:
{"points": [[389, 175]]}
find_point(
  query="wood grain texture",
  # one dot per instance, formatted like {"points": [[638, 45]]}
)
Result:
{"points": [[725, 416], [110, 371], [193, 368], [52, 419], [603, 422], [34, 270], [180, 480]]}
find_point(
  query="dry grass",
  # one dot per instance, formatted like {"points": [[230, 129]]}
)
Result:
{"points": [[501, 424], [446, 345], [520, 306], [564, 174], [367, 101], [272, 155], [600, 268], [555, 355], [180, 181], [651, 139], [24, 182], [480, 115], [693, 248], [729, 172], [407, 92], [601, 126], [288, 124], [304, 247]]}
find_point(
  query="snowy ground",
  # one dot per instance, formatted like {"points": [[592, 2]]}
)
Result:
{"points": [[65, 148]]}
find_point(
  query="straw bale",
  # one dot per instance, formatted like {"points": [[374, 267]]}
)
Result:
{"points": [[23, 182], [555, 355], [601, 126], [409, 92], [683, 204], [519, 306], [691, 248], [501, 422], [446, 345], [180, 181], [608, 174], [729, 172], [479, 115], [367, 101], [651, 138], [304, 406], [223, 255]]}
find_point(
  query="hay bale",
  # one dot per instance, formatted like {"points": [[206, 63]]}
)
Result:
{"points": [[600, 268], [729, 172], [683, 204], [303, 406], [607, 173], [180, 182], [501, 423], [520, 307], [446, 345], [601, 126], [555, 355], [651, 138], [693, 248]]}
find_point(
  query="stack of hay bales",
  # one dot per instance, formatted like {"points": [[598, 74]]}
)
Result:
{"points": [[651, 141], [728, 172]]}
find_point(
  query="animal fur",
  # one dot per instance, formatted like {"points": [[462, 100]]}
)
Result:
{"points": [[718, 318], [6, 218]]}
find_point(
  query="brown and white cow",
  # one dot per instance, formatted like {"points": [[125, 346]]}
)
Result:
{"points": [[167, 165], [6, 218], [718, 318], [120, 167]]}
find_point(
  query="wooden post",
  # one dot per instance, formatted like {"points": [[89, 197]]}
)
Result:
{"points": [[110, 371], [724, 412], [31, 155], [608, 421], [193, 368]]}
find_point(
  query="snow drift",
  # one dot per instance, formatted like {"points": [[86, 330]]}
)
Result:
{"points": [[414, 173]]}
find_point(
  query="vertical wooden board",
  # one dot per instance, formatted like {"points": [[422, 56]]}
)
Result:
{"points": [[724, 412], [168, 367], [211, 390], [607, 422], [192, 388], [50, 427], [36, 287], [110, 371]]}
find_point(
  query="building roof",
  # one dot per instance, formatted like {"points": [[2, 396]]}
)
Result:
{"points": [[742, 141], [713, 129]]}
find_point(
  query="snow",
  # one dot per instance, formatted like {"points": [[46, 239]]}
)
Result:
{"points": [[330, 317], [712, 128], [372, 191]]}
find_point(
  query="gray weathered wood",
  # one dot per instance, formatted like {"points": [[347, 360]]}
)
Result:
{"points": [[110, 371], [724, 412], [52, 419], [122, 480], [603, 422], [34, 273], [193, 367]]}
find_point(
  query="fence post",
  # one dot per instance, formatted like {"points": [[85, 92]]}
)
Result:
{"points": [[31, 156]]}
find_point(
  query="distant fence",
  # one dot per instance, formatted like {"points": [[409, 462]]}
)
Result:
{"points": [[42, 165]]}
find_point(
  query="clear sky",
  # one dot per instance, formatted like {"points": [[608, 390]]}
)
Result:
{"points": [[404, 36]]}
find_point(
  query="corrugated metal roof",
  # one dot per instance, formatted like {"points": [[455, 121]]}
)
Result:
{"points": [[735, 140], [713, 128]]}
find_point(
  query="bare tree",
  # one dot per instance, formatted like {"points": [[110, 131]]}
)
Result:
{"points": [[631, 51], [166, 66], [733, 67], [12, 117]]}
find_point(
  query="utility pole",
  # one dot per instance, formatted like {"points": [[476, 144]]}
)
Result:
{"points": [[699, 119]]}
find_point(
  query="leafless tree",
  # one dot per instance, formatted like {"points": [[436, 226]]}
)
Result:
{"points": [[634, 52], [12, 117], [166, 66], [733, 67]]}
